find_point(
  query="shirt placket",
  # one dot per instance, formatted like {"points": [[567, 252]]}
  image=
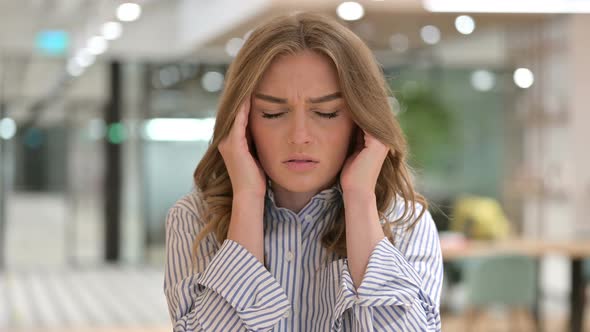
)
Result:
{"points": [[292, 256]]}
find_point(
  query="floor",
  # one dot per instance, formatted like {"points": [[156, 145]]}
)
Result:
{"points": [[126, 299], [496, 322], [92, 299]]}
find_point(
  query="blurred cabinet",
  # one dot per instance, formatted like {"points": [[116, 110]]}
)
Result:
{"points": [[550, 171]]}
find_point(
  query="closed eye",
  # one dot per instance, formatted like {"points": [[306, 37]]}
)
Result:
{"points": [[321, 114], [271, 115], [327, 115]]}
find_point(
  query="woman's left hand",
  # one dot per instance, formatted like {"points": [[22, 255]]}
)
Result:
{"points": [[361, 170]]}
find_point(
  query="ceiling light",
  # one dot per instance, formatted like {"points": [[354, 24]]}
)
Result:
{"points": [[128, 12], [465, 24], [212, 81], [168, 129], [350, 11], [523, 78], [233, 46], [483, 80], [519, 6], [430, 34], [97, 45], [84, 58], [112, 30], [7, 128], [73, 68]]}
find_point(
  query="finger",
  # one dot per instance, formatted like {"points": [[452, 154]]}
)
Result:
{"points": [[242, 119], [355, 154], [371, 141]]}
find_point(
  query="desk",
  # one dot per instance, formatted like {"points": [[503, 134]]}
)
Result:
{"points": [[576, 250]]}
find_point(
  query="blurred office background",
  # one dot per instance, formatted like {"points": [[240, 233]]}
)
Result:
{"points": [[107, 106]]}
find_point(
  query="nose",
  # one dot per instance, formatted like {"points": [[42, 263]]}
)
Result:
{"points": [[299, 131]]}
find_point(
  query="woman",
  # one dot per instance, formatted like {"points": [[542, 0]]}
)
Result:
{"points": [[304, 216]]}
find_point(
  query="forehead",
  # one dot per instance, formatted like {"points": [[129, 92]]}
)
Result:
{"points": [[305, 73]]}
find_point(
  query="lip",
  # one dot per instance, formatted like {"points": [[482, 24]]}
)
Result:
{"points": [[301, 162], [301, 165], [300, 157]]}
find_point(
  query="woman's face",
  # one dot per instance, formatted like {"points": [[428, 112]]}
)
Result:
{"points": [[298, 114]]}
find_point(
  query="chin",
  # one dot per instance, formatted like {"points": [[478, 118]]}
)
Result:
{"points": [[297, 183]]}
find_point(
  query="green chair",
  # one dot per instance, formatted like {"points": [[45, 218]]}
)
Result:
{"points": [[508, 281]]}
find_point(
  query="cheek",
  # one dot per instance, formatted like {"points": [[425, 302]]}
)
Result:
{"points": [[257, 130], [337, 145], [264, 138]]}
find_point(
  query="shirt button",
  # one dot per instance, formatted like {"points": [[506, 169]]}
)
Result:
{"points": [[287, 314], [308, 217], [289, 256]]}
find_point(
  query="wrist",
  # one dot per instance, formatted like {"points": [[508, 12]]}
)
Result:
{"points": [[246, 225], [359, 196], [248, 196]]}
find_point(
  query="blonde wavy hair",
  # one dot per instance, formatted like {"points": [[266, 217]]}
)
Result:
{"points": [[366, 92]]}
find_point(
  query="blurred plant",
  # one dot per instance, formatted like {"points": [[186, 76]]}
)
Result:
{"points": [[428, 126]]}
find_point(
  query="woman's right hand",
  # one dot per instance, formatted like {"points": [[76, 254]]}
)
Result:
{"points": [[246, 174]]}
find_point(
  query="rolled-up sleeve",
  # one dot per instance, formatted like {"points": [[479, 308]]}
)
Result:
{"points": [[229, 290], [400, 290]]}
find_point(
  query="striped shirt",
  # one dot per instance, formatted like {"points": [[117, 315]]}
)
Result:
{"points": [[301, 286]]}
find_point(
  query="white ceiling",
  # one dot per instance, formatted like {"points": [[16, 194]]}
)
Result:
{"points": [[197, 30]]}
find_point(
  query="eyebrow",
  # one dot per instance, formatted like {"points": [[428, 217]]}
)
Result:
{"points": [[317, 100]]}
